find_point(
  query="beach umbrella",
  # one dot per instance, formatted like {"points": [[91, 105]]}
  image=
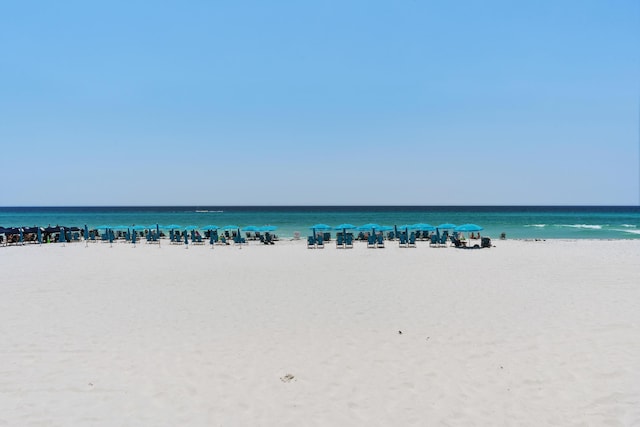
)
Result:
{"points": [[190, 228], [344, 227], [39, 232], [230, 227], [210, 227], [139, 227], [468, 228], [63, 238], [321, 227], [102, 227], [251, 228], [133, 236], [21, 235], [267, 228]]}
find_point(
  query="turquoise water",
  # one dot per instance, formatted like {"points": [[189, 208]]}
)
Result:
{"points": [[535, 222]]}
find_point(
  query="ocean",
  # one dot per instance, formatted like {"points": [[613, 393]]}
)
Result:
{"points": [[517, 222]]}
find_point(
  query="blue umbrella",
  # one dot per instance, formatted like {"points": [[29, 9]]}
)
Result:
{"points": [[210, 227], [251, 228], [268, 228], [133, 236], [344, 226], [190, 227], [230, 227], [103, 227], [63, 238], [39, 232], [468, 227]]}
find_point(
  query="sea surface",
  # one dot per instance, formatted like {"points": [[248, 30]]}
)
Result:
{"points": [[517, 222]]}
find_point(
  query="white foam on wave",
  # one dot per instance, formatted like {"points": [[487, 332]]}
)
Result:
{"points": [[627, 231], [628, 225], [536, 225], [586, 226]]}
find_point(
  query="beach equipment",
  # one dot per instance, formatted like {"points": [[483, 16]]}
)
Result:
{"points": [[213, 235], [62, 238], [190, 228], [39, 233], [467, 228]]}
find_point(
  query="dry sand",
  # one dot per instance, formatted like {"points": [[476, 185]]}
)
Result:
{"points": [[525, 333]]}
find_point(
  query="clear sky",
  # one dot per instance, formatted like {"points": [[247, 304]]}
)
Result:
{"points": [[325, 102]]}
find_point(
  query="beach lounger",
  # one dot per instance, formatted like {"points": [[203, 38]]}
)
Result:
{"points": [[412, 240], [403, 242], [320, 242], [371, 241], [268, 239], [380, 242], [339, 241], [348, 241], [311, 242]]}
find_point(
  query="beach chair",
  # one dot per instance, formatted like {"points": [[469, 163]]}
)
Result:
{"points": [[326, 237], [380, 241], [485, 242], [320, 242], [348, 241], [434, 241], [311, 242], [339, 241], [371, 241], [270, 238], [412, 240], [402, 237], [443, 240]]}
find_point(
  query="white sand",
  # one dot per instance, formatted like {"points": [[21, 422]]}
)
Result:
{"points": [[526, 333]]}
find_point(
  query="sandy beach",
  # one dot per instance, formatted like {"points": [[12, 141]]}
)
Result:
{"points": [[526, 333]]}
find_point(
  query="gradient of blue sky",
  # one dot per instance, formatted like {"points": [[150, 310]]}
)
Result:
{"points": [[332, 102]]}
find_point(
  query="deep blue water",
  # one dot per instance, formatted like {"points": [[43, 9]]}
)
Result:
{"points": [[522, 222]]}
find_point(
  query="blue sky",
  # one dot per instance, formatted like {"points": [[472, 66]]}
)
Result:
{"points": [[333, 102]]}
